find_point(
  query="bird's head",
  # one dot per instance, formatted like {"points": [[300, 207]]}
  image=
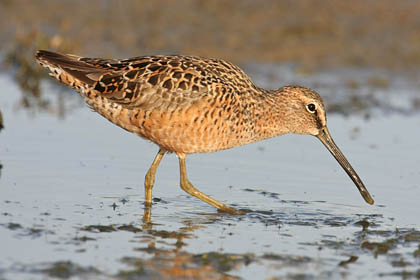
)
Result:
{"points": [[305, 114]]}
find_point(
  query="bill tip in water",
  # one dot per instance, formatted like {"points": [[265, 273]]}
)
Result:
{"points": [[368, 198]]}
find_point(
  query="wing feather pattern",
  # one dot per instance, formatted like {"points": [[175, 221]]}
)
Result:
{"points": [[150, 81]]}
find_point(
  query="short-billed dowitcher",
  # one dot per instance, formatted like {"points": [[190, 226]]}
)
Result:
{"points": [[189, 104]]}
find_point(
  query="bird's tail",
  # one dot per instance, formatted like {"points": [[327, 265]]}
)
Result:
{"points": [[69, 69]]}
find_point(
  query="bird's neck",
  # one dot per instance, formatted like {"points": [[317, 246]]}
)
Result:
{"points": [[271, 115]]}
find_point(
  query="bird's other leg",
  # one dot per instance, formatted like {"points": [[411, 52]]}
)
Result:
{"points": [[149, 180], [189, 188]]}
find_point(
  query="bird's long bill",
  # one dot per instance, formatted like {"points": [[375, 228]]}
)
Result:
{"points": [[325, 137]]}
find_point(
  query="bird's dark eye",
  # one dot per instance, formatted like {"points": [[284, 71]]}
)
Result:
{"points": [[311, 108]]}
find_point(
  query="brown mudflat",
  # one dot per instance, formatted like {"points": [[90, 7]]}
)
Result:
{"points": [[187, 104]]}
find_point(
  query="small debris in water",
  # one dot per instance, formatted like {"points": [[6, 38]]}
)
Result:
{"points": [[379, 248], [14, 226], [364, 224], [352, 259], [222, 262], [99, 228], [130, 228], [84, 238]]}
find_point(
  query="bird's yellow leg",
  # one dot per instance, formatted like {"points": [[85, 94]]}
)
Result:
{"points": [[189, 188], [149, 180], [147, 218]]}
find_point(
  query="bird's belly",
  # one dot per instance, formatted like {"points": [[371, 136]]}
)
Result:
{"points": [[194, 129], [188, 131]]}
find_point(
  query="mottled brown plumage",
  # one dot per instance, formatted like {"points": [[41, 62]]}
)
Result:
{"points": [[189, 104]]}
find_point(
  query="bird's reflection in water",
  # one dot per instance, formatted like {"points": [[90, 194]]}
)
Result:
{"points": [[172, 259], [147, 219]]}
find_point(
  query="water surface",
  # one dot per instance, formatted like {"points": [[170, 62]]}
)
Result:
{"points": [[71, 201]]}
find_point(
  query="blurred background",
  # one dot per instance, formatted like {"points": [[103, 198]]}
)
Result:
{"points": [[376, 33], [310, 35]]}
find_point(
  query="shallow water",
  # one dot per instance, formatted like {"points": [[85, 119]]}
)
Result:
{"points": [[71, 202]]}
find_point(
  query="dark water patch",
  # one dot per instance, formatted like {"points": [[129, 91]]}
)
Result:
{"points": [[413, 236], [297, 276], [337, 221], [138, 269], [34, 231], [268, 218], [205, 219], [288, 260], [371, 219], [150, 249], [130, 228], [351, 259], [400, 263], [221, 261], [391, 243], [157, 199], [37, 232], [13, 226], [169, 234], [294, 215], [147, 231], [99, 228], [55, 270], [111, 228], [83, 239], [416, 104], [404, 235], [403, 274], [262, 192], [182, 265], [68, 269], [269, 194], [249, 190], [334, 244]]}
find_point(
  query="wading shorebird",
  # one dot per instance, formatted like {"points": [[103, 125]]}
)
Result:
{"points": [[187, 104]]}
